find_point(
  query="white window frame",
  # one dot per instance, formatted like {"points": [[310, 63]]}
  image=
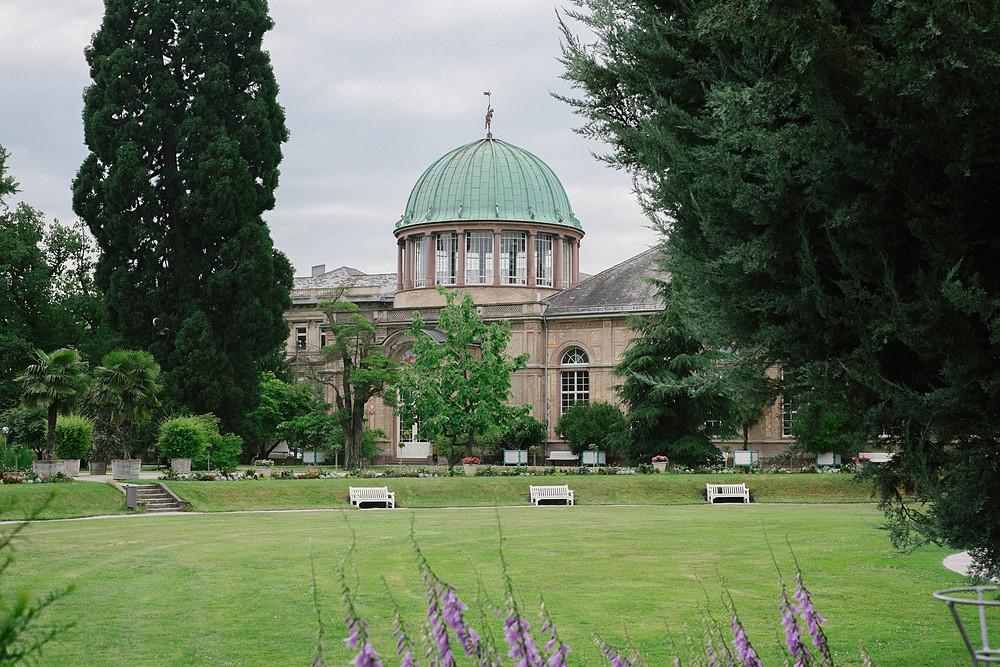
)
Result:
{"points": [[420, 261], [566, 263], [543, 260], [513, 258], [479, 258], [446, 258], [574, 381]]}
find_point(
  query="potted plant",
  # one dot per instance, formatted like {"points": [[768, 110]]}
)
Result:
{"points": [[181, 439], [263, 467], [73, 438], [469, 465], [660, 463]]}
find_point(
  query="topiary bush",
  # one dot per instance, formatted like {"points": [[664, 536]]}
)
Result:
{"points": [[182, 438], [73, 436]]}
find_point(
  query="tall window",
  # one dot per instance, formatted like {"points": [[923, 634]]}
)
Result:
{"points": [[543, 260], [446, 259], [300, 338], [575, 382], [787, 410], [513, 258], [479, 258], [787, 417], [419, 262], [566, 263]]}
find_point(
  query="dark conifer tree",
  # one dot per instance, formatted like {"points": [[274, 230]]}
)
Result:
{"points": [[185, 135], [826, 178]]}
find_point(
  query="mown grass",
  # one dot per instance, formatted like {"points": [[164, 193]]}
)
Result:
{"points": [[507, 491], [65, 501], [81, 499], [234, 589]]}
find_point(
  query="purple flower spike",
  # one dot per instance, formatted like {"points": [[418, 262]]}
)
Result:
{"points": [[793, 639], [805, 608], [522, 647], [367, 657], [744, 650]]}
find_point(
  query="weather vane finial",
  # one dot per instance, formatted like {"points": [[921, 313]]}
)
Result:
{"points": [[489, 114]]}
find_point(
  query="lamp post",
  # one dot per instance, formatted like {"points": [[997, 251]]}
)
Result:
{"points": [[208, 453]]}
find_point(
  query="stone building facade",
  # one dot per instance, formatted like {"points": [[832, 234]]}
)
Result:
{"points": [[492, 220]]}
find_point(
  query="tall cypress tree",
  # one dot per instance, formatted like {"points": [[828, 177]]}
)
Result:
{"points": [[185, 135]]}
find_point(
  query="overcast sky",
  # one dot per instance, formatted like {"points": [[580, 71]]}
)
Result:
{"points": [[373, 93]]}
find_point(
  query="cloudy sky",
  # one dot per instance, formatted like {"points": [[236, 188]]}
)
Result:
{"points": [[373, 92]]}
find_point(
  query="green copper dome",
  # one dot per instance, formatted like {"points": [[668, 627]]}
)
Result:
{"points": [[488, 180]]}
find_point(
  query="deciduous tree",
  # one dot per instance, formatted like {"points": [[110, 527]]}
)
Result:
{"points": [[358, 370], [458, 384]]}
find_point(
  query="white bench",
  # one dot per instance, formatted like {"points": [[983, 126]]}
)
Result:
{"points": [[728, 491], [563, 492], [372, 494], [562, 456]]}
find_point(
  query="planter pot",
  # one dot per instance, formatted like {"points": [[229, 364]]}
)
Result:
{"points": [[47, 468], [98, 467], [661, 466], [470, 470], [125, 468], [263, 471], [181, 466], [71, 467]]}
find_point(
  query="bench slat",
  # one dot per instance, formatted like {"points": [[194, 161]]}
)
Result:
{"points": [[538, 493], [714, 491], [372, 494]]}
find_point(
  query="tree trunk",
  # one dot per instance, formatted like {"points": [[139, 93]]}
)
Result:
{"points": [[50, 435]]}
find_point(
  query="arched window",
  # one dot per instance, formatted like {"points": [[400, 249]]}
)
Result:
{"points": [[575, 381]]}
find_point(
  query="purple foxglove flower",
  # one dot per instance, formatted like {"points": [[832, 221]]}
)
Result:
{"points": [[744, 651], [367, 657], [522, 647], [793, 639], [805, 609]]}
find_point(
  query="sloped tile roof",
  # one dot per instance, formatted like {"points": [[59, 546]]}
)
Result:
{"points": [[625, 288]]}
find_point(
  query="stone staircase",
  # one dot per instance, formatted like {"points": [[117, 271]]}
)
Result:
{"points": [[156, 498]]}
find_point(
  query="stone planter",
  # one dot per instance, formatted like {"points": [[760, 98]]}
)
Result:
{"points": [[71, 467], [125, 468], [470, 469], [47, 468], [181, 466], [98, 467], [263, 471], [661, 466]]}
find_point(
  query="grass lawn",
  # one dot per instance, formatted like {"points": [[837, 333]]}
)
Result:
{"points": [[82, 498], [234, 589], [504, 491]]}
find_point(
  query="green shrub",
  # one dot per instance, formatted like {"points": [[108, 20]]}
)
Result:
{"points": [[73, 436], [182, 438], [585, 424]]}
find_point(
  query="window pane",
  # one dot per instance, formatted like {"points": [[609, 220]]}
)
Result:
{"points": [[513, 258], [543, 260], [575, 388], [575, 355], [446, 259], [419, 262], [566, 262], [479, 258]]}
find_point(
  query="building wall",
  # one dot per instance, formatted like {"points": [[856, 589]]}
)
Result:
{"points": [[603, 338]]}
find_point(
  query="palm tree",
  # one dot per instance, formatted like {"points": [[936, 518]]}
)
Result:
{"points": [[126, 383], [54, 383]]}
